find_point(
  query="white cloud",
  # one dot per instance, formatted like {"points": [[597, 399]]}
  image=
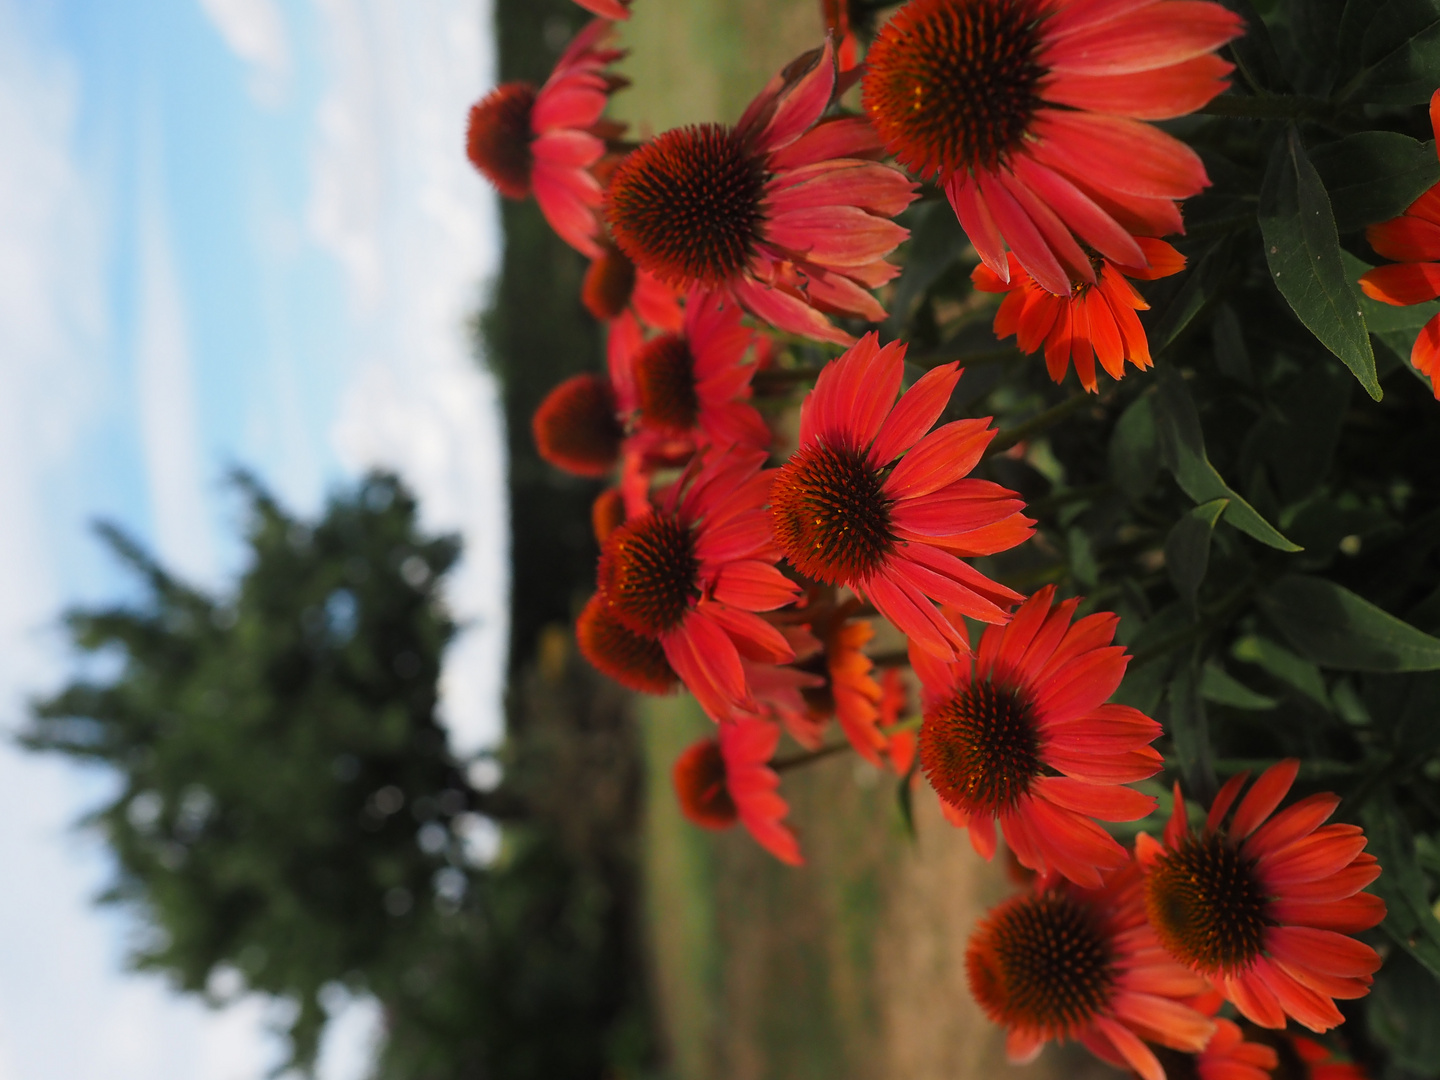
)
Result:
{"points": [[255, 32], [174, 459], [396, 202], [67, 1009]]}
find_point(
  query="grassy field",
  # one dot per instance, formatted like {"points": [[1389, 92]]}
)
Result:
{"points": [[853, 965]]}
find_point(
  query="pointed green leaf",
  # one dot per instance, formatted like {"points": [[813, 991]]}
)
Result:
{"points": [[1303, 250], [1219, 686], [1182, 445], [1189, 731], [1338, 629], [1400, 52], [1187, 547], [1373, 176], [1409, 921]]}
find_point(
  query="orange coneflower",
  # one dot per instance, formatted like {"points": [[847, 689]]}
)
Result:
{"points": [[1263, 907], [1063, 962], [613, 286], [633, 660], [783, 212], [1095, 322], [695, 384], [1413, 241], [1227, 1056], [545, 141], [1030, 113], [693, 571], [728, 778], [576, 427], [1021, 736], [869, 500]]}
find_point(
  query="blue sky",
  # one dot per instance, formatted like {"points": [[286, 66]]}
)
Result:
{"points": [[231, 232]]}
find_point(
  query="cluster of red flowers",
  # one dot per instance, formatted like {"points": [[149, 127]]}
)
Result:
{"points": [[755, 568]]}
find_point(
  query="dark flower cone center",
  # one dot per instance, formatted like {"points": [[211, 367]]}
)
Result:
{"points": [[648, 573], [1041, 963], [632, 660], [575, 427], [665, 384], [498, 141], [700, 786], [954, 84], [686, 205], [1206, 904], [608, 284], [831, 514], [979, 750]]}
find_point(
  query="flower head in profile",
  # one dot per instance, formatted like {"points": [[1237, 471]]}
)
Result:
{"points": [[695, 383], [1021, 736], [869, 500], [1413, 241], [576, 427], [783, 212], [544, 142], [614, 287], [1095, 322], [728, 778], [693, 571], [1032, 115], [1263, 906], [1062, 962], [633, 660]]}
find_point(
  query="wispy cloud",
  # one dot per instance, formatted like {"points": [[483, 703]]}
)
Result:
{"points": [[255, 32], [395, 201], [175, 462]]}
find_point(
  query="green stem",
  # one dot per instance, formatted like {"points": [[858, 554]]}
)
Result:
{"points": [[1036, 424], [796, 761], [1268, 107]]}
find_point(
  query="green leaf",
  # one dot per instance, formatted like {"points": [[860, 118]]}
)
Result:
{"points": [[1202, 286], [1189, 731], [1386, 319], [1182, 446], [1083, 567], [1374, 175], [1400, 52], [1218, 686], [1303, 250], [1284, 665], [1332, 626], [1134, 457], [1404, 1004], [936, 241], [1231, 355], [1409, 922], [1187, 547]]}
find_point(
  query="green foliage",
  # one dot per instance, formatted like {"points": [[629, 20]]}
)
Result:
{"points": [[287, 804], [1269, 535]]}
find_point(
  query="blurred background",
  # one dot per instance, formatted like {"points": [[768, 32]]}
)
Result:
{"points": [[301, 772]]}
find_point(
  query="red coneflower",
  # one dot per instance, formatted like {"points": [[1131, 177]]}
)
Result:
{"points": [[1063, 962], [869, 500], [781, 212], [633, 660], [695, 384], [576, 429], [1227, 1056], [613, 286], [1262, 907], [1021, 735], [1413, 241], [1095, 322], [835, 14], [1314, 1061], [544, 141], [692, 573], [609, 9], [728, 778], [1030, 113]]}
